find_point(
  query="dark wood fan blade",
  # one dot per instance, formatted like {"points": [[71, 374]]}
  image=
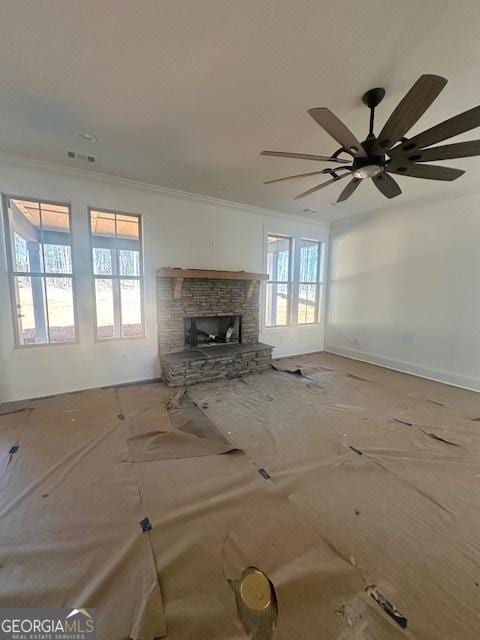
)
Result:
{"points": [[299, 175], [387, 185], [427, 171], [412, 106], [320, 186], [302, 156], [447, 129], [349, 189], [446, 151], [335, 127]]}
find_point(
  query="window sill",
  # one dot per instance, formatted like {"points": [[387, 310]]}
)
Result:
{"points": [[119, 340], [277, 327], [291, 327], [42, 345]]}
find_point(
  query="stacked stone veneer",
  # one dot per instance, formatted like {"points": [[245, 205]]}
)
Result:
{"points": [[215, 363], [204, 298], [208, 297]]}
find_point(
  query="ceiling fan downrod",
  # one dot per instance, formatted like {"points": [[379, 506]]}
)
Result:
{"points": [[372, 99]]}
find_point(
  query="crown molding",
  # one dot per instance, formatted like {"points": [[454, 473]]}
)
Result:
{"points": [[53, 167]]}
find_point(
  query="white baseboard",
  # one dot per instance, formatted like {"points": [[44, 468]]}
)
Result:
{"points": [[452, 379], [278, 352], [39, 395]]}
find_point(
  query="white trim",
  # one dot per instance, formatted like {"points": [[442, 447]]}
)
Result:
{"points": [[116, 278], [146, 186], [293, 351], [294, 284], [112, 385], [11, 273], [452, 379]]}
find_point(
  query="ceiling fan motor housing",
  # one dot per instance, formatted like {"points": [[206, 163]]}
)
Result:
{"points": [[370, 166]]}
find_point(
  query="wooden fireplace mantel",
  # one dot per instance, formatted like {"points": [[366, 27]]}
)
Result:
{"points": [[179, 276]]}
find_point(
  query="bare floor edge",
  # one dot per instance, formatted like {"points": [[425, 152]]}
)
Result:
{"points": [[449, 378], [356, 494]]}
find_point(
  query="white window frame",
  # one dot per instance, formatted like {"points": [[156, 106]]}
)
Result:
{"points": [[116, 277], [13, 273], [289, 282], [294, 282], [318, 282]]}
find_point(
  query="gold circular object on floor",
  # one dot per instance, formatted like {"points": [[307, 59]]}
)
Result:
{"points": [[255, 591]]}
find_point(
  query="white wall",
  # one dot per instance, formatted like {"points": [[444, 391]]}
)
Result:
{"points": [[179, 230], [405, 290]]}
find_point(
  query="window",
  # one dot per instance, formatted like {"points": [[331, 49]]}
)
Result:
{"points": [[294, 285], [40, 270], [278, 286], [308, 281], [117, 272]]}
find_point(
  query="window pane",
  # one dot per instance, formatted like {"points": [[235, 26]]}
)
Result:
{"points": [[129, 262], [61, 319], [116, 241], [307, 303], [277, 304], [20, 253], [102, 261], [41, 243], [26, 233], [56, 238], [102, 225], [128, 226], [309, 256], [104, 308], [58, 258], [55, 217], [278, 258], [130, 298], [31, 310]]}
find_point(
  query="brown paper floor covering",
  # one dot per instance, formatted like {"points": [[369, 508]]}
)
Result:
{"points": [[373, 486]]}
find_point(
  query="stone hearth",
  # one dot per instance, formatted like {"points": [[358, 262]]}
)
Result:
{"points": [[224, 361], [183, 294]]}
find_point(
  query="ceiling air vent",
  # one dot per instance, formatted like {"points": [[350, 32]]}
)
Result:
{"points": [[83, 157]]}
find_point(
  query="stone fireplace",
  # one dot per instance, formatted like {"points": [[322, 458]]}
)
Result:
{"points": [[208, 323]]}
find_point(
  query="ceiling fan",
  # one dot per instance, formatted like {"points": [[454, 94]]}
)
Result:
{"points": [[369, 158]]}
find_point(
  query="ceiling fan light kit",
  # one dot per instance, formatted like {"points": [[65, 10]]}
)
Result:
{"points": [[390, 152]]}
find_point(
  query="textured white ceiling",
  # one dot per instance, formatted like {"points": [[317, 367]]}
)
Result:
{"points": [[185, 93]]}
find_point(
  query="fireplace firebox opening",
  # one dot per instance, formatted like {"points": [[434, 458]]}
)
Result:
{"points": [[209, 331]]}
